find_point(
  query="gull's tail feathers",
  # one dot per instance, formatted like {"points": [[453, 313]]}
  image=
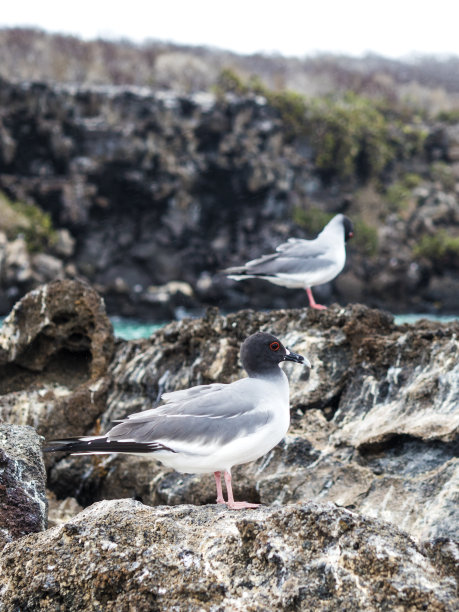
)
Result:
{"points": [[102, 445]]}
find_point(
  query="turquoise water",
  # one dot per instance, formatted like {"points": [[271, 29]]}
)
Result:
{"points": [[412, 318], [131, 329]]}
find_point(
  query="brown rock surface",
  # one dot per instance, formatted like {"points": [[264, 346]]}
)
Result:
{"points": [[55, 348]]}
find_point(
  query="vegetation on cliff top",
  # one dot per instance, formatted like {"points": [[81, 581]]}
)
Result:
{"points": [[430, 83], [28, 220], [441, 248], [352, 136]]}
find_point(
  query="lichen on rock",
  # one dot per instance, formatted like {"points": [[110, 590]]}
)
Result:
{"points": [[23, 503]]}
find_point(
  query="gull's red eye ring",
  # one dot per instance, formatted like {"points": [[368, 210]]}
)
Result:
{"points": [[274, 346]]}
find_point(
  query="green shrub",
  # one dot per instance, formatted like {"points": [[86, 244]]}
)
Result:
{"points": [[397, 196], [312, 219], [350, 137], [292, 109], [229, 81], [409, 139], [35, 225], [411, 180], [441, 248], [449, 116], [443, 173], [366, 238]]}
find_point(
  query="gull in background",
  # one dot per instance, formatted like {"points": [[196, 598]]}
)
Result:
{"points": [[302, 264], [209, 428]]}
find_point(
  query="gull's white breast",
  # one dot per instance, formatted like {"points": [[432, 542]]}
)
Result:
{"points": [[270, 397]]}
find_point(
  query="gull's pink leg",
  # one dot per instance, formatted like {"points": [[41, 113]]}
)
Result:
{"points": [[218, 482], [232, 505], [312, 302]]}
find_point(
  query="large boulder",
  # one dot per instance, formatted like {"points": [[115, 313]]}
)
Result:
{"points": [[55, 349], [122, 555], [23, 503]]}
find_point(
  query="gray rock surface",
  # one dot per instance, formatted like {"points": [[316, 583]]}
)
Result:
{"points": [[374, 424], [23, 503], [374, 429], [122, 555]]}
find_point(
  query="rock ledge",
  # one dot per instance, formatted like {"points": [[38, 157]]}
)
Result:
{"points": [[121, 555]]}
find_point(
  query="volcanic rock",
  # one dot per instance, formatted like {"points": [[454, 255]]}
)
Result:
{"points": [[374, 424], [122, 555], [156, 187], [23, 503], [55, 349]]}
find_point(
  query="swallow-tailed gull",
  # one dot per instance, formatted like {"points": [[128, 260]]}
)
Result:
{"points": [[300, 263], [209, 428]]}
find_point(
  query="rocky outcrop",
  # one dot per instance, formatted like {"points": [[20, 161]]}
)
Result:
{"points": [[372, 442], [23, 503], [374, 425], [122, 555], [55, 349], [154, 193]]}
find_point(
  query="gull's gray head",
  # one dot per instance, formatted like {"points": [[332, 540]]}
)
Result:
{"points": [[348, 228], [262, 352]]}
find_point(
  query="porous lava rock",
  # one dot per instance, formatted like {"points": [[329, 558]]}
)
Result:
{"points": [[55, 349], [122, 555], [373, 425]]}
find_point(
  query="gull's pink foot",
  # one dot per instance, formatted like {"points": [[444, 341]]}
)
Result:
{"points": [[240, 505], [312, 302], [318, 307], [218, 482], [231, 504]]}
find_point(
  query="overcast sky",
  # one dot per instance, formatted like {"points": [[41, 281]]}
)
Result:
{"points": [[393, 28]]}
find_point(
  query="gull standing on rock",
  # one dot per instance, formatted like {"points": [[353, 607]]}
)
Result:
{"points": [[209, 428], [302, 264]]}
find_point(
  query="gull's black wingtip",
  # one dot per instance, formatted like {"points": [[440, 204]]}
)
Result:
{"points": [[104, 446], [61, 445]]}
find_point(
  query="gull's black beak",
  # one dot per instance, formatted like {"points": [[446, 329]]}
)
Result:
{"points": [[291, 356]]}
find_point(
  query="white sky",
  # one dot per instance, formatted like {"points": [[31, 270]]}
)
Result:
{"points": [[392, 28]]}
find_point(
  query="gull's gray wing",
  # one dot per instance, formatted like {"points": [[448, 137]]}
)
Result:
{"points": [[210, 414], [295, 256], [285, 263], [186, 394], [287, 259], [298, 247]]}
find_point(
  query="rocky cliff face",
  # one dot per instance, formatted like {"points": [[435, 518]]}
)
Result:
{"points": [[360, 502], [154, 193]]}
